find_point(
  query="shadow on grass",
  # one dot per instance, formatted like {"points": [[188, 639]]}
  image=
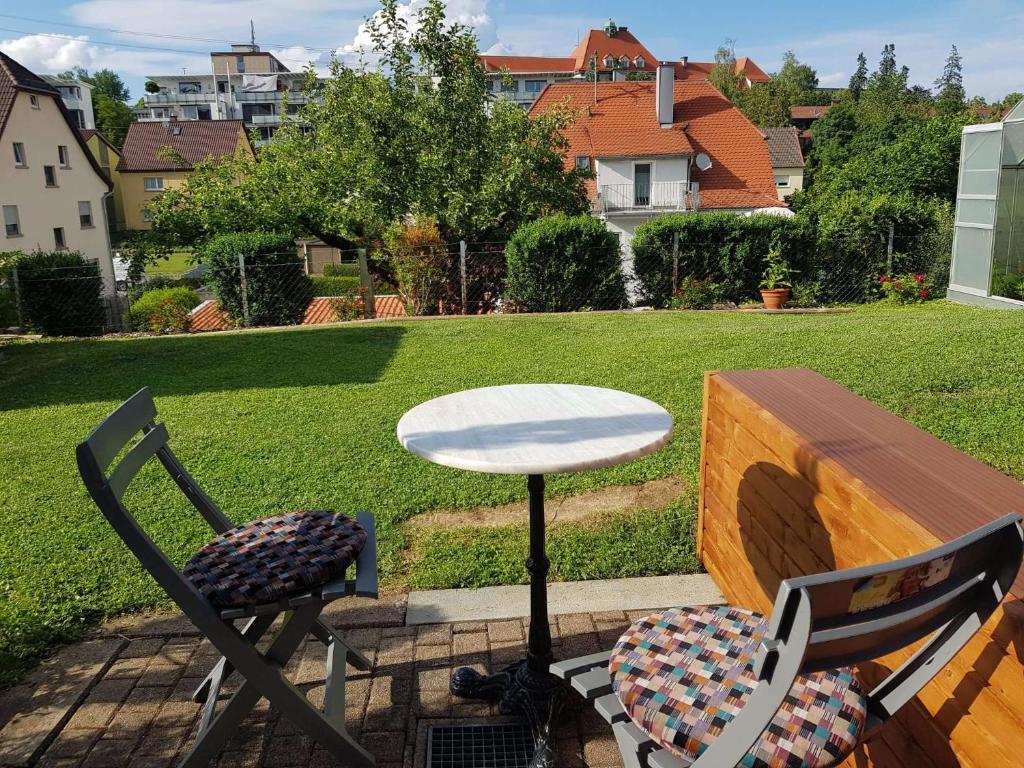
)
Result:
{"points": [[89, 370]]}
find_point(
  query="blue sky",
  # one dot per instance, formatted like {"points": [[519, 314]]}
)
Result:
{"points": [[989, 33]]}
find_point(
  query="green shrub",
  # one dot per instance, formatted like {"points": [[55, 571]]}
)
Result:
{"points": [[162, 282], [164, 310], [726, 248], [278, 289], [806, 294], [907, 289], [324, 285], [8, 306], [564, 263], [61, 293], [1008, 286], [696, 294], [341, 270], [420, 261]]}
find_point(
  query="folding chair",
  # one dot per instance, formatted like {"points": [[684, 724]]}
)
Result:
{"points": [[292, 564], [722, 686]]}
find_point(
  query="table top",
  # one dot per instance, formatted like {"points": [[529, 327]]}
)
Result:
{"points": [[535, 429]]}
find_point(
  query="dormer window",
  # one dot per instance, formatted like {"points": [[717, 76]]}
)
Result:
{"points": [[624, 62], [639, 62], [609, 61]]}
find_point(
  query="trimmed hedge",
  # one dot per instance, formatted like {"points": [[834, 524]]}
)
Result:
{"points": [[341, 270], [324, 285], [61, 293], [164, 310], [564, 264], [726, 248], [278, 288]]}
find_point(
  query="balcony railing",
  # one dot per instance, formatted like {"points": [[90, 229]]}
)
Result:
{"points": [[657, 196], [174, 97], [264, 119], [294, 96]]}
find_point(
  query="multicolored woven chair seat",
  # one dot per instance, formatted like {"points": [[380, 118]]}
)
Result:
{"points": [[684, 673], [267, 560]]}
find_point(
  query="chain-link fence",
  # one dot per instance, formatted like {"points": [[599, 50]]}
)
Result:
{"points": [[463, 278]]}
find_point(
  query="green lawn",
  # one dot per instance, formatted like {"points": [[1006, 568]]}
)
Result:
{"points": [[277, 420], [175, 264]]}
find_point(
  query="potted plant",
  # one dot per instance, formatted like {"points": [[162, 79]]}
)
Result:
{"points": [[775, 282]]}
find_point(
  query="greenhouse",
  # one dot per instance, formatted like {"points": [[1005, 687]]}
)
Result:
{"points": [[988, 245]]}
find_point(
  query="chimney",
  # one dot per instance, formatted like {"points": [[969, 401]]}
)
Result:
{"points": [[684, 59], [664, 93]]}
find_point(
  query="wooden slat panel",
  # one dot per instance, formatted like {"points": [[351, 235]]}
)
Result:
{"points": [[859, 487]]}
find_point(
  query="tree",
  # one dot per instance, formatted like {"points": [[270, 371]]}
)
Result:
{"points": [[417, 133], [768, 104], [859, 80], [887, 63], [950, 85], [723, 73], [104, 81]]}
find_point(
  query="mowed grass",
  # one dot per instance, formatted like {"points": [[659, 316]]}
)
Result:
{"points": [[271, 421], [176, 263]]}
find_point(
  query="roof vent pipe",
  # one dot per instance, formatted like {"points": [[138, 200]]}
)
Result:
{"points": [[665, 93]]}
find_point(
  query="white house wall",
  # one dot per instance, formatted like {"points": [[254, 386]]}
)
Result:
{"points": [[620, 170]]}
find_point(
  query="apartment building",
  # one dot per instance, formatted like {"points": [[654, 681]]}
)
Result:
{"points": [[77, 97], [614, 53], [52, 191], [244, 84]]}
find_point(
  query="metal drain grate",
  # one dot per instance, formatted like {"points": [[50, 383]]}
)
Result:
{"points": [[506, 745]]}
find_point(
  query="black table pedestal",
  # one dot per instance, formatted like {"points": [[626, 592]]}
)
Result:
{"points": [[526, 688]]}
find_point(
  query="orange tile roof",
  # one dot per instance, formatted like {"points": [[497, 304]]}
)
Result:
{"points": [[624, 124], [527, 64], [208, 316], [701, 70], [810, 112], [623, 44]]}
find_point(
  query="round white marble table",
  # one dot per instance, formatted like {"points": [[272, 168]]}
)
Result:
{"points": [[533, 430]]}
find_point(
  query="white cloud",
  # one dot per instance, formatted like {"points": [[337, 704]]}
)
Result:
{"points": [[42, 53]]}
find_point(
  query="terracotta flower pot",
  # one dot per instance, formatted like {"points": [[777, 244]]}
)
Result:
{"points": [[774, 298]]}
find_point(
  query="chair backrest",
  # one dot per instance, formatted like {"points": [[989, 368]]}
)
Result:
{"points": [[136, 418], [852, 616]]}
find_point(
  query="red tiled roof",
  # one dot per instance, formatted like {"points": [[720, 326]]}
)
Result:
{"points": [[192, 140], [87, 133], [623, 44], [624, 124], [701, 70], [810, 112], [208, 316], [13, 78], [527, 64]]}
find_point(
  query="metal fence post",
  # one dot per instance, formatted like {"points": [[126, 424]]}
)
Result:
{"points": [[462, 275], [366, 282], [17, 296], [244, 289], [888, 251], [675, 262]]}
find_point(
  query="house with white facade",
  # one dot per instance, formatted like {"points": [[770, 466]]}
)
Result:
{"points": [[787, 159], [612, 53], [662, 147], [244, 84], [52, 191], [77, 97]]}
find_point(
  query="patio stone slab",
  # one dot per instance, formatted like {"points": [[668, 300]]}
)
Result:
{"points": [[489, 603], [57, 686]]}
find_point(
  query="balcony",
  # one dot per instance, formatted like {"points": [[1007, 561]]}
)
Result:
{"points": [[264, 119], [250, 97], [173, 97], [657, 196]]}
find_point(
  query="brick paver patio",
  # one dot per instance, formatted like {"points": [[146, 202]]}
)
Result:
{"points": [[135, 709]]}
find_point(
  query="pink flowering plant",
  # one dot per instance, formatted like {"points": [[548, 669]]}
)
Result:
{"points": [[906, 289]]}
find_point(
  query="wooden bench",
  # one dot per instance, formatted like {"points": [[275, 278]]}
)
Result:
{"points": [[799, 475]]}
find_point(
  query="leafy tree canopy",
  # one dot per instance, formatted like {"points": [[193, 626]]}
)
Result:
{"points": [[417, 133], [109, 94]]}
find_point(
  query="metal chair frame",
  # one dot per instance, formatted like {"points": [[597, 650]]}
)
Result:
{"points": [[813, 628], [261, 671]]}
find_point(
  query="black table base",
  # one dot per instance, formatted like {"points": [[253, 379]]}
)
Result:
{"points": [[526, 688]]}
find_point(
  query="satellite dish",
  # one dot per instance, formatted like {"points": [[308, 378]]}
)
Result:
{"points": [[703, 161]]}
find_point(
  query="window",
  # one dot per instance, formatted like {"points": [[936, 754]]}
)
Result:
{"points": [[535, 86], [50, 175], [62, 155], [240, 63], [782, 181], [222, 86], [19, 155], [12, 227], [85, 214], [509, 87], [190, 86], [609, 61], [190, 112], [58, 239], [153, 183], [34, 101], [104, 155], [640, 62], [583, 162], [78, 117]]}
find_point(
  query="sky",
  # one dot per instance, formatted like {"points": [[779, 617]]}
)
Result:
{"points": [[144, 37]]}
